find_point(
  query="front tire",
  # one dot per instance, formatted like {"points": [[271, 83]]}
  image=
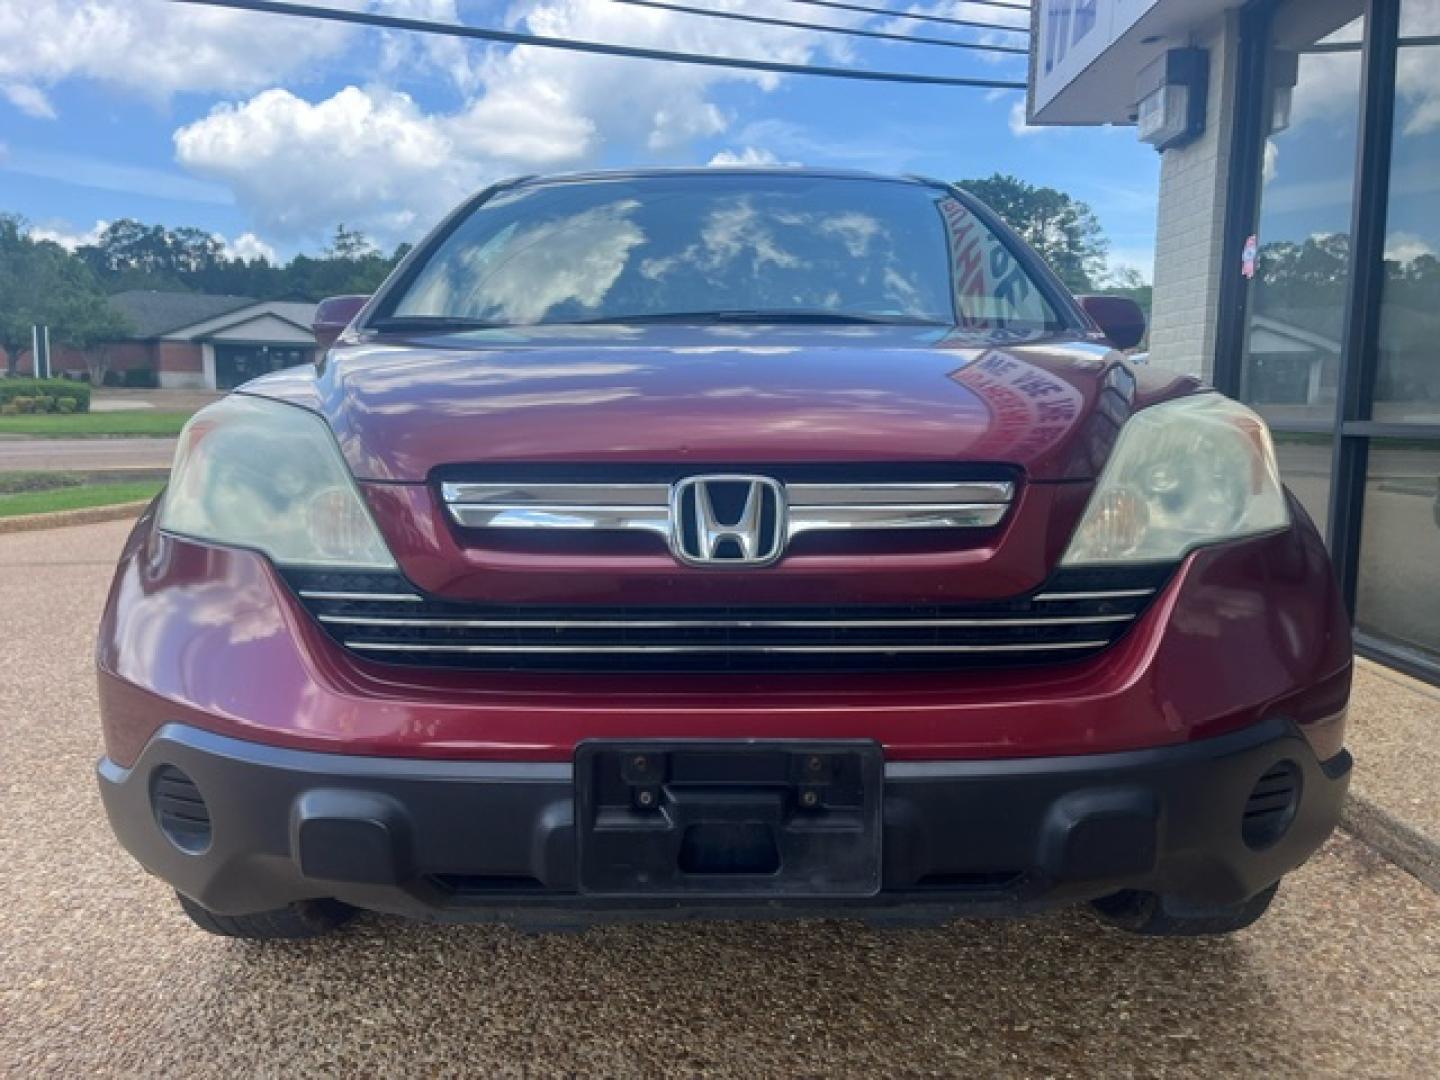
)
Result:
{"points": [[296, 922], [1160, 916]]}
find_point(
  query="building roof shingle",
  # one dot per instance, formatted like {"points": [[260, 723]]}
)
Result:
{"points": [[154, 314]]}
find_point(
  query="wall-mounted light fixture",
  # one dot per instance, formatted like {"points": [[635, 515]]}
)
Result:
{"points": [[1170, 98]]}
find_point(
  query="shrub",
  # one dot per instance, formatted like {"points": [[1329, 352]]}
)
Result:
{"points": [[9, 409], [141, 379], [44, 402], [23, 403], [65, 405], [13, 388]]}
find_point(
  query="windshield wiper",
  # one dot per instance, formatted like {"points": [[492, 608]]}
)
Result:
{"points": [[767, 315], [439, 323]]}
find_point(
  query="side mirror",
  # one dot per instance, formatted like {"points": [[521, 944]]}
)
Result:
{"points": [[332, 316], [1118, 317]]}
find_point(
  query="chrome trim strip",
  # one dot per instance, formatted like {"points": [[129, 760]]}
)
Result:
{"points": [[1114, 594], [908, 493], [558, 494], [362, 597], [834, 518], [557, 516], [715, 624], [390, 646]]}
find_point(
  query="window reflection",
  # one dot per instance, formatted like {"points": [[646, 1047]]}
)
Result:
{"points": [[1305, 467], [1407, 380], [592, 250], [1297, 301], [1399, 588]]}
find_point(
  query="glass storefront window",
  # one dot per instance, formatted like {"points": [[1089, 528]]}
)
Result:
{"points": [[1305, 468], [1399, 595], [1297, 298], [1407, 379]]}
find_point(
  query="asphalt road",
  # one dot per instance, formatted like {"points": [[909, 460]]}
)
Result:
{"points": [[101, 976], [85, 455]]}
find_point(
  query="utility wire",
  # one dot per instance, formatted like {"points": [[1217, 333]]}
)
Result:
{"points": [[913, 39], [999, 4], [890, 14], [509, 37]]}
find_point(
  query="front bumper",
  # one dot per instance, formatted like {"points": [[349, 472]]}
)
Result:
{"points": [[458, 839]]}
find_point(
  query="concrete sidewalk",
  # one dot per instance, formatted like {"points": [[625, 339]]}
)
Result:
{"points": [[1394, 734]]}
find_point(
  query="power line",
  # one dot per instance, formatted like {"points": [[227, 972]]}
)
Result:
{"points": [[911, 39], [509, 37], [999, 4], [890, 14]]}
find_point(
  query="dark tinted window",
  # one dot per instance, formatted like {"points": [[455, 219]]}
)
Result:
{"points": [[656, 246]]}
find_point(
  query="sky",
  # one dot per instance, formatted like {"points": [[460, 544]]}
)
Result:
{"points": [[269, 131]]}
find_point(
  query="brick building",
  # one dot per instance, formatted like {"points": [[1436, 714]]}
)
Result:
{"points": [[195, 340]]}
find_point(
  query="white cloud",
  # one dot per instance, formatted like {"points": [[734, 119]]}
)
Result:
{"points": [[372, 157], [247, 246], [30, 100], [1406, 247], [69, 238], [366, 158], [748, 155], [1020, 127], [156, 48]]}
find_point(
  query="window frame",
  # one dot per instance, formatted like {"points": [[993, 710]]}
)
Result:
{"points": [[1352, 427]]}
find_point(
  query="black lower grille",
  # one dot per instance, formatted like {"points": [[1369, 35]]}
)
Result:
{"points": [[180, 809], [1271, 806], [384, 617]]}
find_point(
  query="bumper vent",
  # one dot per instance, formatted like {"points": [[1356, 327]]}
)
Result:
{"points": [[385, 618], [180, 809], [1271, 806]]}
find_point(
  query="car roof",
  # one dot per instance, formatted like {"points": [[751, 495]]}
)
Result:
{"points": [[717, 171]]}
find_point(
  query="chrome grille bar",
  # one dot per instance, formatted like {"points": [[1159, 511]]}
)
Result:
{"points": [[362, 597], [716, 624], [1105, 594], [1025, 647], [648, 507], [949, 494]]}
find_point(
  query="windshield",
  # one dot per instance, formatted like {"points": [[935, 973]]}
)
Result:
{"points": [[722, 247]]}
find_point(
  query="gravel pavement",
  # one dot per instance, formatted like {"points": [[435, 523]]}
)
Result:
{"points": [[85, 455], [100, 975]]}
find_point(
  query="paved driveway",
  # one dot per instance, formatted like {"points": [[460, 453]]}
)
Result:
{"points": [[100, 975], [85, 455]]}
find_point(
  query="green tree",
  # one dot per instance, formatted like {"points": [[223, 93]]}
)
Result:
{"points": [[43, 284], [1061, 228]]}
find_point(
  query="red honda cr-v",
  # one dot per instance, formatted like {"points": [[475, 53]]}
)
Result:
{"points": [[727, 542]]}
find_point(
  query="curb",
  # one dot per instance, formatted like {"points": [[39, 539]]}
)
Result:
{"points": [[58, 519], [1404, 845]]}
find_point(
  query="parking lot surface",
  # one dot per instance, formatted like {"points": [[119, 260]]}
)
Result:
{"points": [[101, 975]]}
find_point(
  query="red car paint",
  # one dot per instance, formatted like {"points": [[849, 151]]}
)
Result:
{"points": [[211, 636], [179, 605]]}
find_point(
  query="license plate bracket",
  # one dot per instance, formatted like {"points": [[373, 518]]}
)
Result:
{"points": [[755, 818]]}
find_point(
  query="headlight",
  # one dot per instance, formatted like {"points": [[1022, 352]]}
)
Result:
{"points": [[267, 475], [1183, 473]]}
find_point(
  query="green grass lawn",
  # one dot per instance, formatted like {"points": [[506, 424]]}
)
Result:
{"points": [[56, 426], [39, 493]]}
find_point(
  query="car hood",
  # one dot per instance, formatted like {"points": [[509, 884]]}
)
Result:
{"points": [[727, 394]]}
